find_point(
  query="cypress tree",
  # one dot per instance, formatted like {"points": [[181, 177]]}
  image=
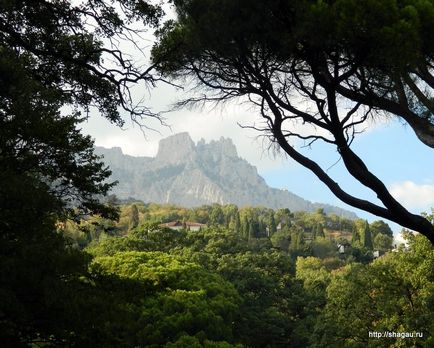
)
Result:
{"points": [[134, 217], [245, 227], [237, 222], [272, 224], [366, 236], [251, 230], [319, 231], [355, 239]]}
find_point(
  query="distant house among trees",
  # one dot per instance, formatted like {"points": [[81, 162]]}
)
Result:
{"points": [[341, 248], [179, 225]]}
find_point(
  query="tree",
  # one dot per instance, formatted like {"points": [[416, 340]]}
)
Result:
{"points": [[355, 237], [134, 217], [328, 65], [60, 61], [234, 222], [53, 66], [216, 216], [64, 43], [323, 248], [366, 236], [380, 227], [393, 293], [297, 238], [232, 217], [281, 239], [315, 279], [320, 216], [193, 342], [383, 242], [245, 227], [318, 231], [283, 217], [266, 313], [181, 298], [252, 229], [271, 223]]}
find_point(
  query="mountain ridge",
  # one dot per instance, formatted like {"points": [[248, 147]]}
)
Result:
{"points": [[190, 174]]}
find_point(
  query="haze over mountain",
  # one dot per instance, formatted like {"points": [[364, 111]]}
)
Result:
{"points": [[190, 174]]}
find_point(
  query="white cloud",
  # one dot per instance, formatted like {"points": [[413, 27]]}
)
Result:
{"points": [[209, 124], [414, 196]]}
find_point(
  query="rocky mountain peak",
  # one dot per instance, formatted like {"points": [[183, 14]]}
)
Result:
{"points": [[175, 149], [222, 147], [190, 175]]}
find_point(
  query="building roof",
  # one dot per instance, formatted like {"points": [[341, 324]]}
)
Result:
{"points": [[177, 223]]}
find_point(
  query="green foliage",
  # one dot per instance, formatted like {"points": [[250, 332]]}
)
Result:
{"points": [[215, 288], [297, 246], [262, 278], [366, 236], [51, 69], [51, 148], [383, 242], [380, 227], [193, 342], [255, 225], [48, 296], [265, 283], [318, 231], [323, 248], [313, 274], [181, 297], [361, 239], [111, 246], [394, 293], [134, 217], [283, 216], [315, 279], [281, 239], [147, 237], [216, 217]]}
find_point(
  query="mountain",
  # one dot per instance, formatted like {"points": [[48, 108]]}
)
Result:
{"points": [[190, 174]]}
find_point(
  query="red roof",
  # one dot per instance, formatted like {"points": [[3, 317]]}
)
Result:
{"points": [[179, 223]]}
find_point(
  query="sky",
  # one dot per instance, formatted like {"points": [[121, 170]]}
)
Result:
{"points": [[389, 148]]}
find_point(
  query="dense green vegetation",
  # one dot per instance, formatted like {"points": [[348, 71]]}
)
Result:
{"points": [[260, 278], [71, 275], [52, 72], [295, 232]]}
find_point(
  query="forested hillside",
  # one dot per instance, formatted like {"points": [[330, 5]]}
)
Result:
{"points": [[254, 277], [283, 228], [78, 269]]}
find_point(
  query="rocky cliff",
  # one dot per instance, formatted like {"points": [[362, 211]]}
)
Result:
{"points": [[192, 174]]}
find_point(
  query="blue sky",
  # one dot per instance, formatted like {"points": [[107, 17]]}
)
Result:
{"points": [[391, 151]]}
